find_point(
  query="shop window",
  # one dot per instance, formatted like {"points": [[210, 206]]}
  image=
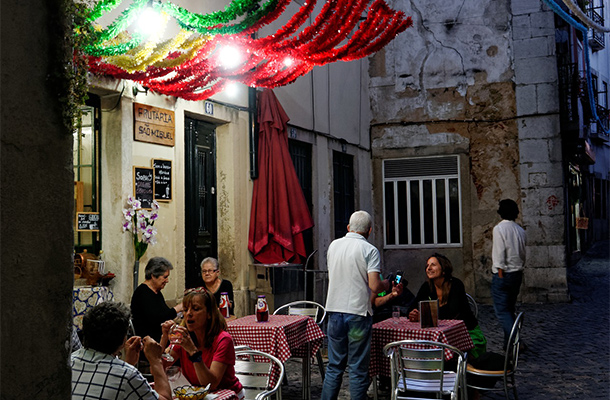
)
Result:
{"points": [[422, 206], [86, 174], [343, 191]]}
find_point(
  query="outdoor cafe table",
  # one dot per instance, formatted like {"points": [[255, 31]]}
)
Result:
{"points": [[452, 332], [283, 336]]}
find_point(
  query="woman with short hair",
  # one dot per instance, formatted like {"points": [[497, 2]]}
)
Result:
{"points": [[148, 306]]}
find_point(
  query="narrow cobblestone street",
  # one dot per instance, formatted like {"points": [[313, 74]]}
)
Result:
{"points": [[568, 355]]}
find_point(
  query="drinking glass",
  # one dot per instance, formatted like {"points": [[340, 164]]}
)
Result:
{"points": [[395, 313]]}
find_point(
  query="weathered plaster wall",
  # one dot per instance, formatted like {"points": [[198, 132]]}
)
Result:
{"points": [[37, 200], [456, 83]]}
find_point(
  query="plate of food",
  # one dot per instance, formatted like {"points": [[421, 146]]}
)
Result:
{"points": [[191, 392]]}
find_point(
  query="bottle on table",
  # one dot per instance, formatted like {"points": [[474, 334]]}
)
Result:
{"points": [[224, 304], [262, 310]]}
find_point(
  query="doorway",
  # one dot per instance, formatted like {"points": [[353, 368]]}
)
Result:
{"points": [[201, 238]]}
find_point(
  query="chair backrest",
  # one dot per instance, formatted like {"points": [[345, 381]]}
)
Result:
{"points": [[304, 307], [260, 373], [473, 305], [511, 358], [419, 365]]}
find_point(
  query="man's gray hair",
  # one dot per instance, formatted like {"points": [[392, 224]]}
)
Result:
{"points": [[209, 260], [360, 222], [156, 267]]}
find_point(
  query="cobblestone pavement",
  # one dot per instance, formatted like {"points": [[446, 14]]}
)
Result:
{"points": [[568, 355]]}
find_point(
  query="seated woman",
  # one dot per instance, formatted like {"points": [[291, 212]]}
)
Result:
{"points": [[215, 284], [148, 306], [452, 300], [205, 349]]}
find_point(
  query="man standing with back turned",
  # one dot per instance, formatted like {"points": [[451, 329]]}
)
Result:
{"points": [[508, 257], [353, 273]]}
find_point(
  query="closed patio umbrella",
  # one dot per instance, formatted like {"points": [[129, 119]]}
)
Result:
{"points": [[279, 211]]}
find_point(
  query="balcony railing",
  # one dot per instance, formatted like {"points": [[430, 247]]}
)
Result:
{"points": [[596, 38]]}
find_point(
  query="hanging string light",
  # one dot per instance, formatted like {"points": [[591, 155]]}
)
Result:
{"points": [[191, 65]]}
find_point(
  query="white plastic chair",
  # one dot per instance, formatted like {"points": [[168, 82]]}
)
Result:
{"points": [[419, 366], [507, 374], [254, 369], [310, 309]]}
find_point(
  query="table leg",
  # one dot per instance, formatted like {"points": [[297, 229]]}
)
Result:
{"points": [[307, 373], [375, 387]]}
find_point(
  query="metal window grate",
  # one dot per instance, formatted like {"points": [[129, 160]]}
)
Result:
{"points": [[420, 167]]}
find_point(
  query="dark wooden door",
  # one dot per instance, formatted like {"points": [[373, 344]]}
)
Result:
{"points": [[201, 239]]}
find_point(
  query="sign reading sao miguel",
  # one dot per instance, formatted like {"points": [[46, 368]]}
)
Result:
{"points": [[153, 125]]}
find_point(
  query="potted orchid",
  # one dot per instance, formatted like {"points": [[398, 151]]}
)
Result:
{"points": [[140, 223]]}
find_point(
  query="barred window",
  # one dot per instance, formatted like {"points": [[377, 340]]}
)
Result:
{"points": [[422, 206]]}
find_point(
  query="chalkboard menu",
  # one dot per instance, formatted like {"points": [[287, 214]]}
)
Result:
{"points": [[163, 179], [88, 221], [144, 185]]}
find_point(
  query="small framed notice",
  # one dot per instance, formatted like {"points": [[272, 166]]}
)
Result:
{"points": [[87, 222], [144, 185], [428, 313], [163, 179]]}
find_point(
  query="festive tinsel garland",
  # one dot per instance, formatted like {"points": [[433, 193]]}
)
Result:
{"points": [[191, 69]]}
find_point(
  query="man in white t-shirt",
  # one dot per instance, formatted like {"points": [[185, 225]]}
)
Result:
{"points": [[508, 256], [353, 274]]}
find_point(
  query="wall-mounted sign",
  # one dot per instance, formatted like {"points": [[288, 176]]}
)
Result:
{"points": [[153, 125], [144, 185], [208, 108], [163, 179], [88, 222]]}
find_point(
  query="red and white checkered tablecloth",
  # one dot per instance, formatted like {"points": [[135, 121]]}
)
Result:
{"points": [[452, 332], [221, 394], [283, 336]]}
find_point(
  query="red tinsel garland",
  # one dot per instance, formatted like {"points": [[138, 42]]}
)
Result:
{"points": [[263, 64]]}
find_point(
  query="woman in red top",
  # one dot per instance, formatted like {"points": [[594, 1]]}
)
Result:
{"points": [[205, 348]]}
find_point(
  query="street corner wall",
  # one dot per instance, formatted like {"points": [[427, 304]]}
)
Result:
{"points": [[543, 213]]}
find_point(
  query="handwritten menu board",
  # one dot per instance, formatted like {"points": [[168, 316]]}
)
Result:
{"points": [[144, 185], [163, 179], [88, 221]]}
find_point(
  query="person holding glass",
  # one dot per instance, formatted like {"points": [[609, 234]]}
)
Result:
{"points": [[202, 344], [210, 273], [450, 292]]}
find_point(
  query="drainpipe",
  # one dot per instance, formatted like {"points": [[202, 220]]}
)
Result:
{"points": [[253, 132]]}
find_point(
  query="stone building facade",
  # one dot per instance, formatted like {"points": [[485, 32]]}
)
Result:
{"points": [[470, 95]]}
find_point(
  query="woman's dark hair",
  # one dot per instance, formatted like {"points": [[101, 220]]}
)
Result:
{"points": [[105, 326], [447, 273], [508, 209], [216, 322], [156, 267]]}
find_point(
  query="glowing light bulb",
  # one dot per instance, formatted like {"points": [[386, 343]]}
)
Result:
{"points": [[149, 21], [288, 61], [230, 57]]}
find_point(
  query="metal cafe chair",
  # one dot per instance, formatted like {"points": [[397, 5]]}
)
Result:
{"points": [[254, 370], [477, 377], [420, 366], [310, 309], [473, 305]]}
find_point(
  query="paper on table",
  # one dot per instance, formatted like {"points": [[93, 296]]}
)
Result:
{"points": [[177, 381]]}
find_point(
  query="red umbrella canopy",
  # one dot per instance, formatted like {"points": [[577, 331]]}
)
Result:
{"points": [[279, 210]]}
